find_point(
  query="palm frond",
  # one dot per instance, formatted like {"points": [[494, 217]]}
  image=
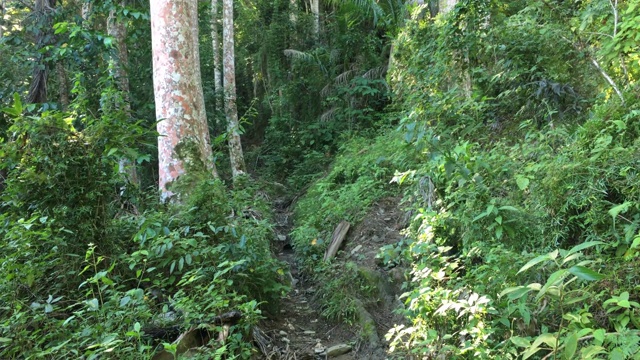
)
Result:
{"points": [[367, 7], [375, 73], [328, 115], [299, 55], [343, 79], [326, 90]]}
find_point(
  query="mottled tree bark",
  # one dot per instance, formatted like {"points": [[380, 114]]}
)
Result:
{"points": [[293, 11], [3, 10], [63, 85], [434, 7], [217, 68], [117, 29], [87, 8], [231, 109], [315, 10], [182, 122], [447, 5], [38, 87]]}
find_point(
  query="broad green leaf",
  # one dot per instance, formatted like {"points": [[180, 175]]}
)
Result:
{"points": [[591, 352], [17, 104], [548, 339], [571, 257], [61, 27], [69, 319], [583, 246], [520, 341], [515, 292], [616, 210], [507, 207], [598, 335], [483, 214], [539, 259], [585, 273], [522, 182], [94, 304], [624, 295], [137, 327], [617, 354], [584, 332], [530, 352], [620, 124], [578, 299], [570, 346], [553, 279], [624, 304]]}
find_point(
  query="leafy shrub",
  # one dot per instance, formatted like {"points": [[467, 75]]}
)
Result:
{"points": [[356, 180], [512, 170], [84, 257]]}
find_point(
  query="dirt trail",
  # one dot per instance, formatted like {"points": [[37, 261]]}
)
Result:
{"points": [[300, 332]]}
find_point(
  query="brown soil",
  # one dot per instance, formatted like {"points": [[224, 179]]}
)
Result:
{"points": [[299, 331]]}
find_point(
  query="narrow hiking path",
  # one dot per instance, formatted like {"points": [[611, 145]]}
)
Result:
{"points": [[300, 331]]}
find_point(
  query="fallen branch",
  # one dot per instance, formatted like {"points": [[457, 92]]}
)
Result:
{"points": [[336, 239]]}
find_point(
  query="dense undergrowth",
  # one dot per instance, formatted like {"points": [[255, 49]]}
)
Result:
{"points": [[92, 264], [513, 134], [523, 181], [358, 178]]}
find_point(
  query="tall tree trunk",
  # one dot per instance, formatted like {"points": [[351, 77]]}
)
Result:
{"points": [[63, 85], [293, 11], [3, 10], [231, 109], [87, 8], [217, 68], [447, 5], [434, 7], [118, 30], [182, 122], [315, 10], [38, 87]]}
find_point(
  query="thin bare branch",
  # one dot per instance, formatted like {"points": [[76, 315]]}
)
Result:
{"points": [[608, 78]]}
